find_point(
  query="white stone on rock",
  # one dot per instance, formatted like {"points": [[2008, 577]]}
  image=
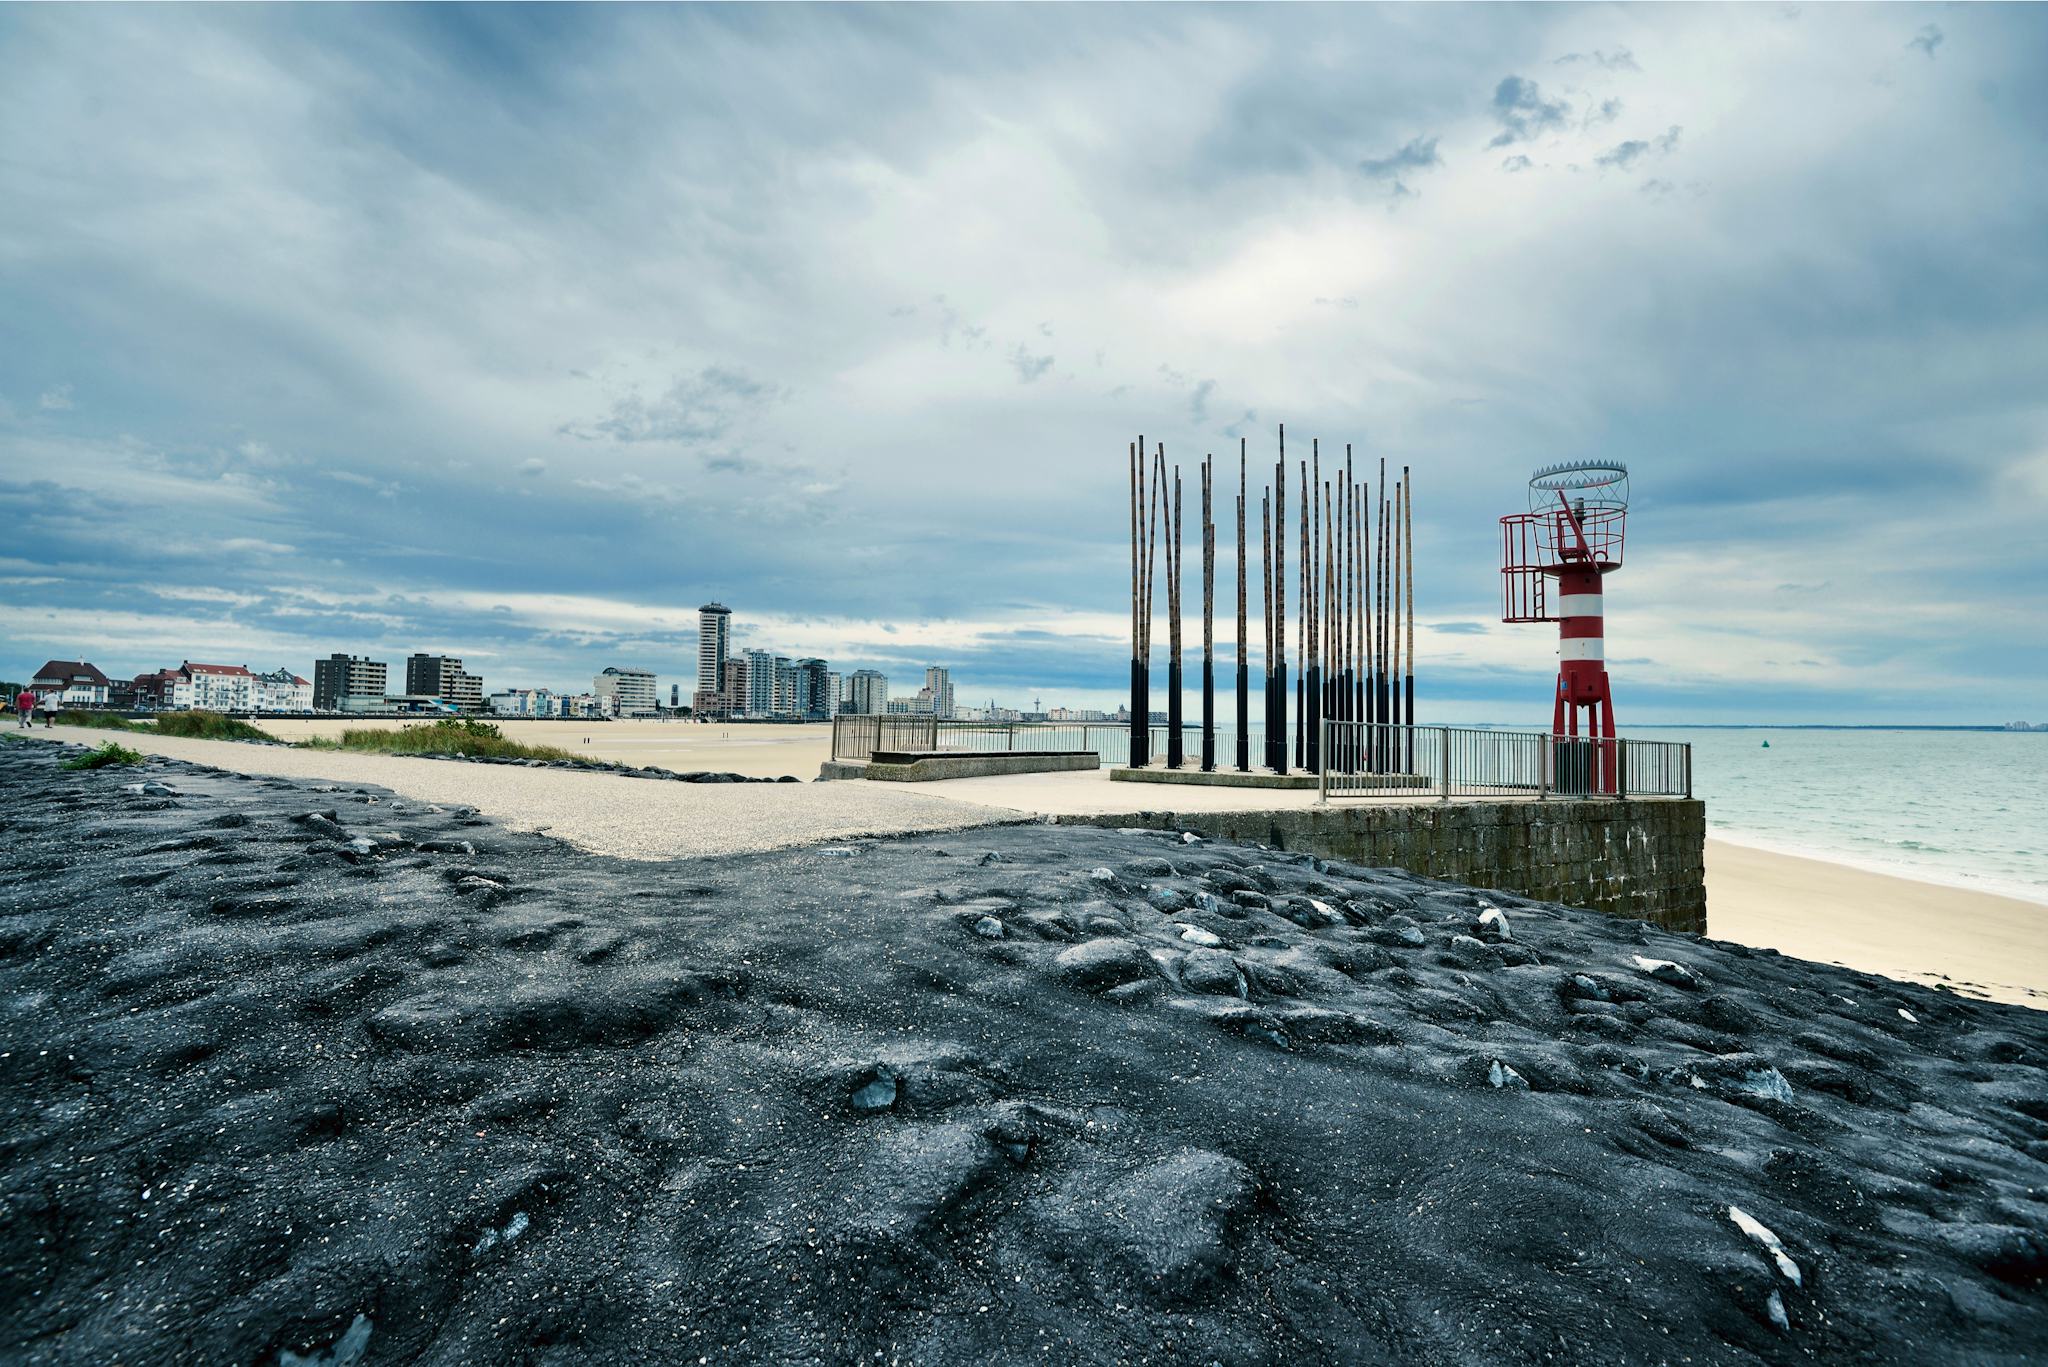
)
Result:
{"points": [[1195, 935], [1665, 971], [1772, 1244]]}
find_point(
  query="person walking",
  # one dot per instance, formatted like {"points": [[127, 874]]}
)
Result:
{"points": [[50, 706], [25, 708]]}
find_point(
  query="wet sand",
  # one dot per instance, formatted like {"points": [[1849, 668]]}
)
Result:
{"points": [[1977, 943]]}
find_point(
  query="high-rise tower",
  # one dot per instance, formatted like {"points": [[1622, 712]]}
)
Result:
{"points": [[714, 638]]}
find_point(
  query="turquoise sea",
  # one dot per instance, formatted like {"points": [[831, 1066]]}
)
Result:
{"points": [[1967, 808]]}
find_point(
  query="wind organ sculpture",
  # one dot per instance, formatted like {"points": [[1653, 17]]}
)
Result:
{"points": [[1354, 608]]}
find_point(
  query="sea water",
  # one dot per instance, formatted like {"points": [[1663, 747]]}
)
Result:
{"points": [[1966, 808]]}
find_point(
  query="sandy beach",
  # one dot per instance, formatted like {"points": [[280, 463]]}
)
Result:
{"points": [[1977, 943], [766, 750]]}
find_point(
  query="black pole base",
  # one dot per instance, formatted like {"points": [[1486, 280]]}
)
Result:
{"points": [[1175, 746], [1208, 716], [1141, 708], [1244, 720]]}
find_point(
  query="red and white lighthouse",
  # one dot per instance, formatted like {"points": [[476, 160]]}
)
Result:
{"points": [[1572, 534]]}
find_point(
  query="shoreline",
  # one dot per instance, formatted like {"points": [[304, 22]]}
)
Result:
{"points": [[1977, 944], [2030, 893]]}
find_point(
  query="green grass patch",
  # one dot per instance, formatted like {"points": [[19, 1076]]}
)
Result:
{"points": [[97, 721], [443, 736], [200, 724], [112, 753]]}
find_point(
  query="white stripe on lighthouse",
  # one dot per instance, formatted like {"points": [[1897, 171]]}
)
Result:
{"points": [[1581, 648], [1579, 605]]}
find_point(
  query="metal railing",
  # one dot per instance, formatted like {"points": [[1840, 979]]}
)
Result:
{"points": [[1358, 759], [857, 737], [1376, 759]]}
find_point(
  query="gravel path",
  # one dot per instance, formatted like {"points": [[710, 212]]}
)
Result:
{"points": [[630, 818]]}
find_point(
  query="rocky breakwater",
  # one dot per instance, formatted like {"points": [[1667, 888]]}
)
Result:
{"points": [[297, 1075]]}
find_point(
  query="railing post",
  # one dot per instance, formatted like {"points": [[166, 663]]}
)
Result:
{"points": [[1621, 768], [1542, 768], [1323, 769], [1444, 784]]}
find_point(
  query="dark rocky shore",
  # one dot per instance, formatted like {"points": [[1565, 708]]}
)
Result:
{"points": [[295, 1074]]}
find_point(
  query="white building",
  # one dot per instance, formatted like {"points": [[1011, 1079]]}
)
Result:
{"points": [[938, 690], [626, 692], [526, 702], [281, 691], [72, 683], [714, 640], [867, 691], [216, 688]]}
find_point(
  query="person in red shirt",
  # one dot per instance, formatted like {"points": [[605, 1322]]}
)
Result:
{"points": [[25, 708]]}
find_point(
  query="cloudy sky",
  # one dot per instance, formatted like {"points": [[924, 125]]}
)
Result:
{"points": [[519, 333]]}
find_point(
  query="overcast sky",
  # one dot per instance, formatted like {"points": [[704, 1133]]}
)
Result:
{"points": [[518, 333]]}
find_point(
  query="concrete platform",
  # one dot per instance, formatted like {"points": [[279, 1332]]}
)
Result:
{"points": [[1219, 778], [931, 767]]}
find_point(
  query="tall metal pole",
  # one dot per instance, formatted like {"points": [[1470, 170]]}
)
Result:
{"points": [[1139, 703], [1324, 694], [1394, 672], [1408, 540], [1301, 592], [1208, 615], [1380, 679], [1312, 742], [1277, 732], [1244, 702], [1266, 615], [1346, 684], [1175, 744]]}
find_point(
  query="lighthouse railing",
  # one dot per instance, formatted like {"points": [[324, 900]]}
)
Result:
{"points": [[1381, 760]]}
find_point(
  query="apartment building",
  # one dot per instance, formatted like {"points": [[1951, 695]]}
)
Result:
{"points": [[625, 692], [340, 680], [443, 677]]}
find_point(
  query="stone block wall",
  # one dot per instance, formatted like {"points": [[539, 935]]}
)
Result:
{"points": [[1635, 857]]}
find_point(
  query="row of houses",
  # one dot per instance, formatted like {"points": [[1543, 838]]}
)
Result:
{"points": [[218, 688]]}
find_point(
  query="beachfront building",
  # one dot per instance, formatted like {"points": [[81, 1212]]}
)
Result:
{"points": [[814, 693], [771, 685], [867, 692], [526, 702], [714, 642], [623, 692], [443, 677], [215, 688], [71, 683], [281, 691], [937, 693], [349, 683], [154, 690]]}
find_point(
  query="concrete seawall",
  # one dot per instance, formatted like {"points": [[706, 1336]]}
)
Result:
{"points": [[1636, 857]]}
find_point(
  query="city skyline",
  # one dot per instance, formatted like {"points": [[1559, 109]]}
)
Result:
{"points": [[884, 400]]}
